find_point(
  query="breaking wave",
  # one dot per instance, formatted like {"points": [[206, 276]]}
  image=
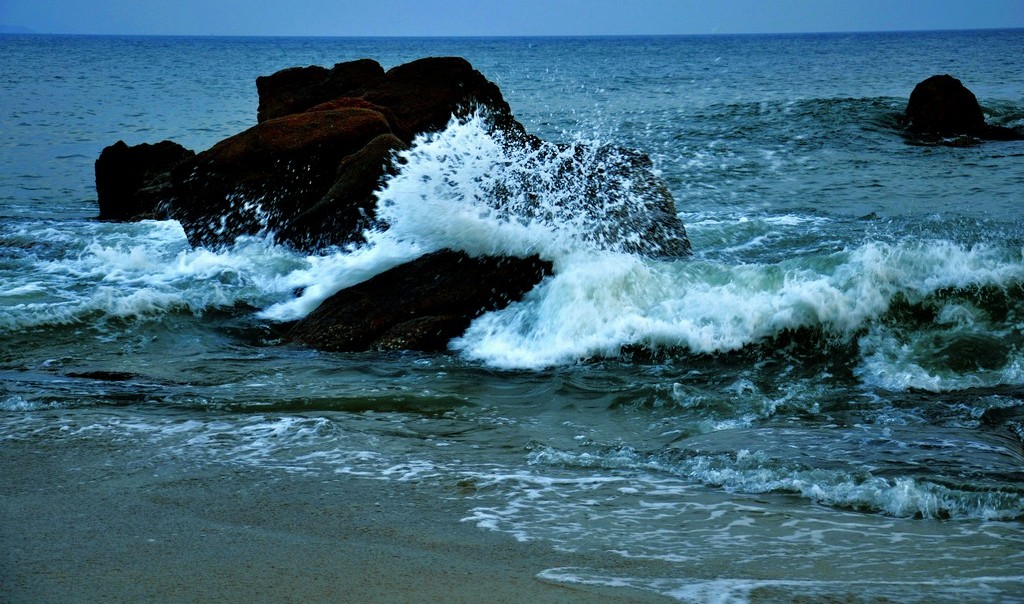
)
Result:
{"points": [[921, 312]]}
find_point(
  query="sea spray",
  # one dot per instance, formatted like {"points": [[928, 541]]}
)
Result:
{"points": [[466, 188], [477, 191], [102, 271], [321, 276], [472, 189], [788, 193]]}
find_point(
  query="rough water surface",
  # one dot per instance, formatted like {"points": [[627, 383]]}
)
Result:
{"points": [[825, 401]]}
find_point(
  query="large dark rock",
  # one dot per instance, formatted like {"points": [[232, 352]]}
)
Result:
{"points": [[419, 305], [297, 89], [425, 93], [942, 106], [422, 95], [263, 178], [309, 169], [131, 181], [305, 172], [350, 204]]}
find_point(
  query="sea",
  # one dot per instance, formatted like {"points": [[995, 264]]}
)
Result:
{"points": [[824, 402]]}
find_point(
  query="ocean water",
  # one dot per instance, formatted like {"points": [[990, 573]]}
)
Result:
{"points": [[826, 401]]}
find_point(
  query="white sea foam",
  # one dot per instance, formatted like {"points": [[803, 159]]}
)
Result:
{"points": [[469, 189], [597, 303], [319, 277], [602, 298], [464, 189], [740, 545], [138, 270], [754, 472], [18, 403]]}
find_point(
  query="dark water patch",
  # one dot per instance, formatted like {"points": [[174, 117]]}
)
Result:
{"points": [[996, 407], [794, 353], [413, 404], [972, 352], [35, 390], [107, 376], [963, 330]]}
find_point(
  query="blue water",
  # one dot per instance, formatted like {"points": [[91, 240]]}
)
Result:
{"points": [[825, 401]]}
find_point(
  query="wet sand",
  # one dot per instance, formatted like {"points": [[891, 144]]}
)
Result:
{"points": [[90, 523]]}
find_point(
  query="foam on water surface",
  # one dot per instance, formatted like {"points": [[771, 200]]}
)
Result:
{"points": [[127, 271], [823, 402], [467, 189]]}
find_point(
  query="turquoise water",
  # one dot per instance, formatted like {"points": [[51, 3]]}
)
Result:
{"points": [[826, 400]]}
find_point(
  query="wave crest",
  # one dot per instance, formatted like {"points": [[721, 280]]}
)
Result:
{"points": [[477, 191], [597, 305]]}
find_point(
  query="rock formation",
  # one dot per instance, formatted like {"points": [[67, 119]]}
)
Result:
{"points": [[131, 180], [400, 310], [307, 172], [941, 106], [322, 144]]}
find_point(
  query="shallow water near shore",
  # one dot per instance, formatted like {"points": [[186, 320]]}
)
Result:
{"points": [[826, 401]]}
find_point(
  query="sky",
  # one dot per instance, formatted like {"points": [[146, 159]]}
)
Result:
{"points": [[499, 18]]}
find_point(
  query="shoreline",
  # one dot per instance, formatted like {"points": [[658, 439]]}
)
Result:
{"points": [[83, 524]]}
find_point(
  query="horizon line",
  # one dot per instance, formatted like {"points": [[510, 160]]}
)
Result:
{"points": [[23, 31]]}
